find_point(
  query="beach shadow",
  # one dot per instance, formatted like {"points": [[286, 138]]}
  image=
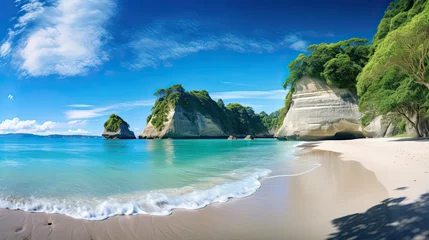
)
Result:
{"points": [[410, 140], [388, 220]]}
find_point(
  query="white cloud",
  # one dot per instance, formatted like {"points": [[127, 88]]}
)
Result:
{"points": [[103, 111], [59, 37], [28, 126], [273, 94], [5, 49], [161, 42], [16, 125], [79, 105], [10, 97], [136, 129], [78, 131], [296, 42], [77, 122], [299, 45]]}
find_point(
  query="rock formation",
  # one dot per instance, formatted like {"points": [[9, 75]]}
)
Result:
{"points": [[381, 127], [184, 124], [179, 114], [232, 138], [249, 137], [319, 111], [116, 128]]}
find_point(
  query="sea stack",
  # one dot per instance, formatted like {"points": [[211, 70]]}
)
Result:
{"points": [[116, 128], [249, 137], [319, 112], [179, 114]]}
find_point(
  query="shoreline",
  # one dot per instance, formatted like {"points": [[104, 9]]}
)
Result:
{"points": [[283, 207]]}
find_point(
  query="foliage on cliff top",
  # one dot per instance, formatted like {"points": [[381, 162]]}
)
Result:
{"points": [[336, 63], [114, 123], [234, 118]]}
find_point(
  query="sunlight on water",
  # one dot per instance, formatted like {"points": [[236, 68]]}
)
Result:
{"points": [[96, 178]]}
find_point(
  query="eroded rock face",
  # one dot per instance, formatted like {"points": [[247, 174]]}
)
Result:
{"points": [[184, 124], [232, 138], [122, 133], [319, 112], [381, 127]]}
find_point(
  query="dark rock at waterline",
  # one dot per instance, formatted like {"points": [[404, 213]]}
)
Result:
{"points": [[232, 138], [249, 137]]}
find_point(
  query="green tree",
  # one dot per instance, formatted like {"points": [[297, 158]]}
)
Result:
{"points": [[407, 48], [396, 93], [114, 123], [341, 71]]}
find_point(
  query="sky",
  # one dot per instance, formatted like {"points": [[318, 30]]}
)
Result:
{"points": [[66, 65]]}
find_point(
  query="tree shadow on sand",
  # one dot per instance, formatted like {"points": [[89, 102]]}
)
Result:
{"points": [[388, 220]]}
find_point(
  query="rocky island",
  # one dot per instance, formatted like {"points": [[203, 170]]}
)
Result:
{"points": [[116, 128], [179, 114]]}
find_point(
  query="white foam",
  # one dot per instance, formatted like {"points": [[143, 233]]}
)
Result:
{"points": [[297, 174], [154, 203]]}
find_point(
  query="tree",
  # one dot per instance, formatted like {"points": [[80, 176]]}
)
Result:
{"points": [[337, 63], [396, 93], [341, 71], [221, 104], [406, 48]]}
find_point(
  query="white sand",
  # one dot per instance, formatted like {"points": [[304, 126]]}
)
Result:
{"points": [[397, 163]]}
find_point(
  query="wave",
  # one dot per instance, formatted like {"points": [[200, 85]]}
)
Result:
{"points": [[153, 203]]}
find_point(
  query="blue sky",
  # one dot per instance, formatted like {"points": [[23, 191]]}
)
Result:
{"points": [[65, 65]]}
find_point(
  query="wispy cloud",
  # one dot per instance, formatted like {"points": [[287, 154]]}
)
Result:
{"points": [[79, 105], [58, 37], [296, 42], [238, 84], [273, 94], [162, 42], [10, 97], [103, 111], [77, 122], [78, 131]]}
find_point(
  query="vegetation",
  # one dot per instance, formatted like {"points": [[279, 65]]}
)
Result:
{"points": [[396, 94], [404, 46], [336, 63], [233, 118], [395, 80], [391, 75], [114, 123]]}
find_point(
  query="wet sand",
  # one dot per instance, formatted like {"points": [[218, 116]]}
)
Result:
{"points": [[298, 207], [400, 164]]}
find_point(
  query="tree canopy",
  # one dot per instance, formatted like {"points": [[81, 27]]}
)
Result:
{"points": [[395, 79], [336, 63], [406, 46], [114, 123]]}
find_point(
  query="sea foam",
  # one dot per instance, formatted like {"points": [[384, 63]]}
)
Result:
{"points": [[153, 203]]}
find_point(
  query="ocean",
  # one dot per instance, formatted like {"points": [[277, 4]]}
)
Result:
{"points": [[95, 178]]}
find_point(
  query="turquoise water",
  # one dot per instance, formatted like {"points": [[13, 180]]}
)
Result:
{"points": [[97, 178]]}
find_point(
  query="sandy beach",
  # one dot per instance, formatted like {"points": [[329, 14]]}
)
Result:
{"points": [[365, 189]]}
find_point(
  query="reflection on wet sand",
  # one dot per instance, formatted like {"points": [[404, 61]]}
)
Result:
{"points": [[300, 207]]}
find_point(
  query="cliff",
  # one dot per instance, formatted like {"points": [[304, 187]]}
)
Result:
{"points": [[319, 111], [116, 128], [179, 114]]}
